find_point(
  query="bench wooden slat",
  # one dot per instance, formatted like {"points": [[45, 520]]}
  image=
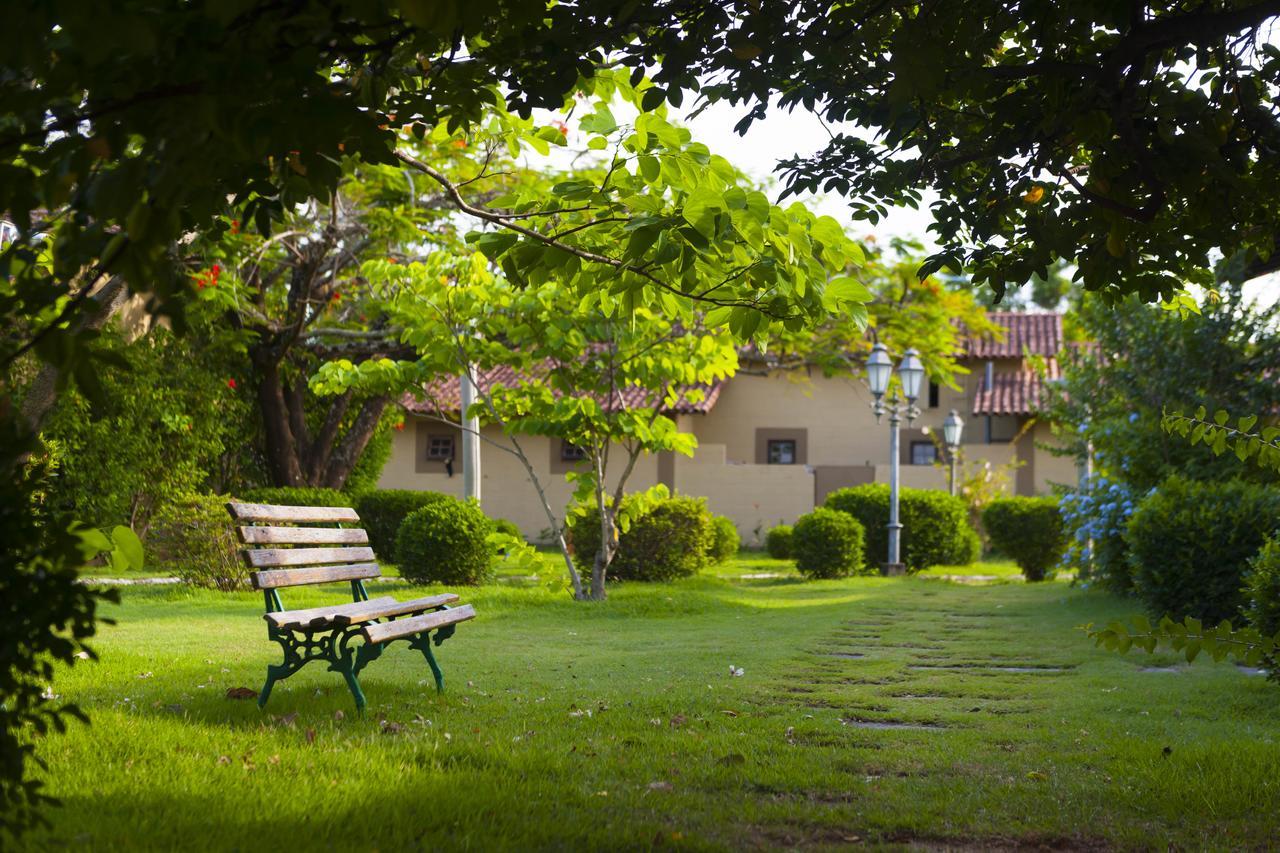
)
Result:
{"points": [[384, 631], [396, 608], [266, 557], [315, 616], [303, 536], [274, 578], [296, 514]]}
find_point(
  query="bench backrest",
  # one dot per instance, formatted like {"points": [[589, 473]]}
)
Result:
{"points": [[312, 554]]}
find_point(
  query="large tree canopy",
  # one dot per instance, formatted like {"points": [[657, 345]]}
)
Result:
{"points": [[1132, 139]]}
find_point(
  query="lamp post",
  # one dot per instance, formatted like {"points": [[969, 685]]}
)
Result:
{"points": [[910, 375], [952, 428]]}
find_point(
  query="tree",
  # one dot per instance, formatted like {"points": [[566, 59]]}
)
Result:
{"points": [[1132, 139], [1143, 361], [604, 292]]}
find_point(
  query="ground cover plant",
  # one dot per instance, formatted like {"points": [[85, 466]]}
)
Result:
{"points": [[886, 711]]}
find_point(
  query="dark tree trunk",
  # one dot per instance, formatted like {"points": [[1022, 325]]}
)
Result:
{"points": [[281, 449], [343, 457]]}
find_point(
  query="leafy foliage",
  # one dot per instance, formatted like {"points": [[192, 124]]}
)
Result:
{"points": [[1263, 446], [194, 538], [382, 511], [779, 542], [1190, 544], [164, 428], [935, 531], [1190, 637], [1097, 521], [827, 543], [447, 542], [47, 620], [659, 538], [1029, 530], [1130, 139], [1144, 361], [1262, 595]]}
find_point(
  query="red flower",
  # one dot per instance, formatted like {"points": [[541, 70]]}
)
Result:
{"points": [[231, 383], [400, 427], [337, 297], [217, 270], [235, 226]]}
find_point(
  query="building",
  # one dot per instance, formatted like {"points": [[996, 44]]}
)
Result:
{"points": [[771, 446]]}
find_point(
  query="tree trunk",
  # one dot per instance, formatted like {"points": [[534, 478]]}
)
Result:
{"points": [[281, 450], [343, 457]]}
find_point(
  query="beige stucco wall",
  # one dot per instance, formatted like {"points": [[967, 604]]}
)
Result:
{"points": [[841, 435], [505, 489]]}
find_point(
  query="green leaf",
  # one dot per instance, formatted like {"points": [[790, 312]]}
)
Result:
{"points": [[127, 543], [1246, 423], [1221, 417]]}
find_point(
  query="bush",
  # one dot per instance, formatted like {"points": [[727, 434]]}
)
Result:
{"points": [[194, 538], [1029, 531], [298, 496], [1096, 521], [502, 525], [829, 544], [935, 532], [445, 542], [671, 540], [382, 511], [778, 542], [1262, 591], [1190, 545], [725, 540]]}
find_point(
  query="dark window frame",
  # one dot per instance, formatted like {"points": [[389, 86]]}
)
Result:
{"points": [[933, 451], [570, 452], [434, 453], [781, 442], [934, 393]]}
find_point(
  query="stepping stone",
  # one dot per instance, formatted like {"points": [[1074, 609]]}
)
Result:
{"points": [[847, 655], [1175, 670], [889, 724]]}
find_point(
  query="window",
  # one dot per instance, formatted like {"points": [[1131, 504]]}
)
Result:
{"points": [[782, 451], [440, 448], [571, 452], [923, 453], [933, 394]]}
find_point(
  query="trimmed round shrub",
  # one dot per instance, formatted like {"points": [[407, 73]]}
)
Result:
{"points": [[502, 525], [778, 542], [382, 511], [445, 542], [935, 532], [194, 538], [1190, 545], [671, 540], [1029, 531], [827, 543], [298, 496], [725, 540], [1262, 590]]}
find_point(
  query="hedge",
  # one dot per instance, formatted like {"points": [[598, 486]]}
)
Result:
{"points": [[445, 542], [778, 542], [725, 540], [671, 540], [382, 511], [829, 544], [1029, 531], [936, 529], [194, 538], [1190, 545], [298, 496]]}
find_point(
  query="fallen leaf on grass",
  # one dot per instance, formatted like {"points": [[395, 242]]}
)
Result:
{"points": [[224, 760], [275, 759], [241, 693], [289, 719], [311, 735], [144, 675], [390, 728], [339, 716], [729, 713], [660, 786], [678, 720], [736, 671]]}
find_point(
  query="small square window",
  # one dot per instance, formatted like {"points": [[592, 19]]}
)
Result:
{"points": [[934, 392], [782, 451], [571, 452], [923, 453], [440, 448]]}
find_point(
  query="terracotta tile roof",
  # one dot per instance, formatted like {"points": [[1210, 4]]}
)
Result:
{"points": [[445, 394], [1037, 333], [1015, 393]]}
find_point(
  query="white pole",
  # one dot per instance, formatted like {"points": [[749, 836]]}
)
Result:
{"points": [[470, 440], [895, 526]]}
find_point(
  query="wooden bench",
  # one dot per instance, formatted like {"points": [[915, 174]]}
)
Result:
{"points": [[312, 555]]}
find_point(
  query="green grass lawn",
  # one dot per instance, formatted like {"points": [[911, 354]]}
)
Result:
{"points": [[890, 712]]}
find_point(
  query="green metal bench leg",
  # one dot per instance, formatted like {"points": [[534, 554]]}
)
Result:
{"points": [[353, 684], [423, 644], [275, 673]]}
